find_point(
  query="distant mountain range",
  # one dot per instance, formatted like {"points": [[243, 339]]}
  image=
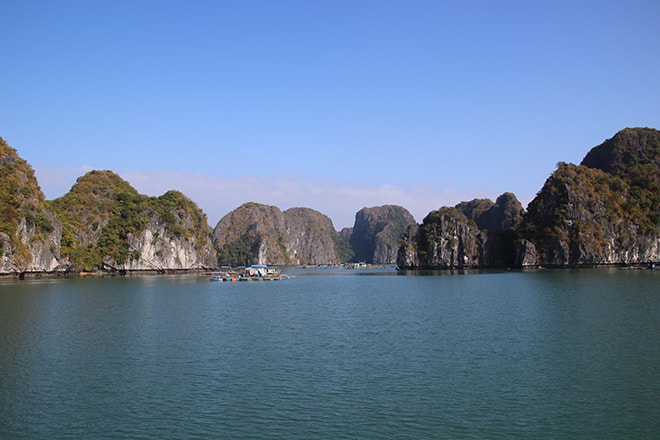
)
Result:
{"points": [[605, 211]]}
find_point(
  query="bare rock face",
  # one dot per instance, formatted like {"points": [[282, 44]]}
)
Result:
{"points": [[249, 235], [505, 213], [526, 254], [444, 240], [261, 234], [45, 250], [478, 233], [32, 249], [408, 255], [158, 248], [310, 237], [29, 233], [377, 233]]}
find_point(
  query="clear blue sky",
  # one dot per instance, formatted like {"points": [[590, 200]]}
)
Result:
{"points": [[333, 105]]}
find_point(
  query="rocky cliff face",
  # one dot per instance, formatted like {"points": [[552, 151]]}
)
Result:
{"points": [[249, 235], [311, 237], [377, 233], [478, 233], [505, 213], [29, 232], [498, 222], [177, 236], [159, 247], [604, 211], [261, 234], [584, 216], [109, 225], [446, 239]]}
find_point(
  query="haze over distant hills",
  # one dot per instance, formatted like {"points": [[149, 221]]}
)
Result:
{"points": [[604, 211]]}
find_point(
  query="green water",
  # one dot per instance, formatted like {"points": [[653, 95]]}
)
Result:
{"points": [[333, 354]]}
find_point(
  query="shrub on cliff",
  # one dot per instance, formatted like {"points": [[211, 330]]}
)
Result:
{"points": [[633, 155], [21, 200], [102, 212], [97, 214], [603, 211]]}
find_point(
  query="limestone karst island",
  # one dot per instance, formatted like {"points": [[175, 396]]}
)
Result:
{"points": [[604, 211]]}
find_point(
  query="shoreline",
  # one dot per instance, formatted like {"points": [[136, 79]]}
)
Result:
{"points": [[100, 274], [209, 271]]}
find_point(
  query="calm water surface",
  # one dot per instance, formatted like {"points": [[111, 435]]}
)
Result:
{"points": [[551, 354]]}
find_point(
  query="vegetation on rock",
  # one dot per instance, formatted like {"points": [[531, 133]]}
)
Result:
{"points": [[604, 211], [102, 212], [23, 215], [633, 155], [446, 239]]}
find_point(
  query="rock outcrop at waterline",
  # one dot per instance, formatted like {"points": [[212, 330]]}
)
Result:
{"points": [[377, 232], [101, 224], [261, 234], [604, 211], [450, 238], [109, 225]]}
